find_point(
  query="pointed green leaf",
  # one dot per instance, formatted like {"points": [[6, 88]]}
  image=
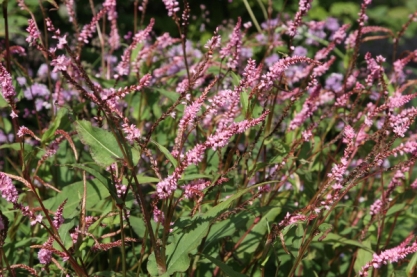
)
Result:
{"points": [[102, 144], [331, 237], [73, 193], [54, 125], [224, 267], [190, 238], [411, 265], [166, 152], [256, 235], [363, 256], [103, 180]]}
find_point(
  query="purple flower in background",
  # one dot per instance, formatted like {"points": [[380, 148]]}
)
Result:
{"points": [[36, 90], [43, 72], [6, 138], [261, 38], [332, 24], [269, 61], [21, 81], [315, 30], [334, 82], [300, 51], [270, 24]]}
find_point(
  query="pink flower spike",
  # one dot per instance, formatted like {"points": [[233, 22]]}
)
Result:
{"points": [[33, 32], [234, 42], [6, 85], [171, 6], [44, 256], [37, 219], [392, 255], [131, 131], [166, 187], [304, 7], [7, 189]]}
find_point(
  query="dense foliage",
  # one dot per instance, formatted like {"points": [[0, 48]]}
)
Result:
{"points": [[201, 143]]}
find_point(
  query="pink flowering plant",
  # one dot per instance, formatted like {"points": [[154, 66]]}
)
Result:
{"points": [[273, 147]]}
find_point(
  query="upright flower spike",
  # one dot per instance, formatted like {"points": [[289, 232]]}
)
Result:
{"points": [[276, 71], [172, 6], [123, 66], [89, 29], [7, 89], [7, 189], [234, 42], [114, 39], [392, 255], [33, 32], [303, 7]]}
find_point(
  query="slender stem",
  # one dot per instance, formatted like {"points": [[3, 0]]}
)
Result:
{"points": [[123, 242], [6, 26], [252, 16]]}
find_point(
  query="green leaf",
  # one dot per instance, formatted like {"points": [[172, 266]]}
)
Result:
{"points": [[235, 78], [226, 228], [331, 237], [224, 267], [363, 256], [251, 242], [166, 152], [244, 98], [103, 180], [172, 95], [3, 103], [54, 125], [396, 208], [102, 144], [188, 177], [324, 227], [344, 8], [411, 265], [53, 3], [147, 179], [73, 193], [188, 239], [114, 274]]}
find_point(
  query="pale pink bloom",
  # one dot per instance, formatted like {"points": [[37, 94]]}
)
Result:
{"points": [[392, 255], [194, 188], [376, 207], [123, 67], [132, 132], [234, 42], [304, 7], [6, 85], [61, 42], [58, 217], [167, 186], [158, 215], [33, 32], [172, 6], [89, 29], [7, 189], [195, 155], [61, 63], [44, 256], [37, 219]]}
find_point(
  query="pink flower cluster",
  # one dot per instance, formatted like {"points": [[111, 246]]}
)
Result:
{"points": [[392, 255]]}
